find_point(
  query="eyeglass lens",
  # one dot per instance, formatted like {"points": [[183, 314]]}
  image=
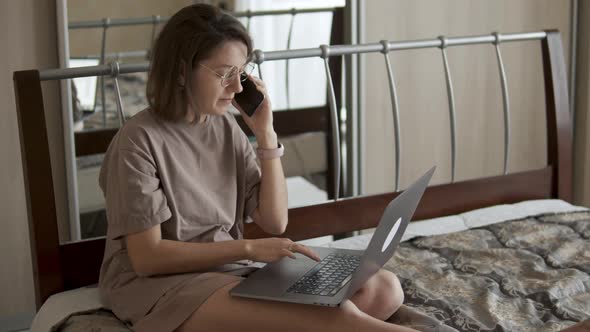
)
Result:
{"points": [[247, 70]]}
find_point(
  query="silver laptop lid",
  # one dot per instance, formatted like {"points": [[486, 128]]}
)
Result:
{"points": [[389, 232]]}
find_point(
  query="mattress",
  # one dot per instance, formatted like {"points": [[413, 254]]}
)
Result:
{"points": [[508, 267], [468, 220]]}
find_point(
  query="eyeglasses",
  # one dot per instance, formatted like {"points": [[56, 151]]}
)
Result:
{"points": [[232, 72]]}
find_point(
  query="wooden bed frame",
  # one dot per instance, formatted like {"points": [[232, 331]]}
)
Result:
{"points": [[58, 267]]}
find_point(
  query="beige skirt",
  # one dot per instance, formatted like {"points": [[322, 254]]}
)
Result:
{"points": [[179, 303]]}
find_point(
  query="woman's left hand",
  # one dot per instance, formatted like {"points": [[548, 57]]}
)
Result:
{"points": [[261, 121]]}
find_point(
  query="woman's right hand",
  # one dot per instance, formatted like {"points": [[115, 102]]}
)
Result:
{"points": [[272, 249]]}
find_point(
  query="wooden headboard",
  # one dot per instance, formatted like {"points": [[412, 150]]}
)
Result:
{"points": [[58, 267]]}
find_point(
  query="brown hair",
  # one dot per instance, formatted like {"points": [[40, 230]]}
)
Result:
{"points": [[189, 37]]}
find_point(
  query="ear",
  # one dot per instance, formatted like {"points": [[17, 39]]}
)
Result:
{"points": [[181, 73]]}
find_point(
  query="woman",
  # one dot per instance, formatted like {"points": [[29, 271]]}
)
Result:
{"points": [[181, 178]]}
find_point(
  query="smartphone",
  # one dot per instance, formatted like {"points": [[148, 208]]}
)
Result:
{"points": [[250, 98]]}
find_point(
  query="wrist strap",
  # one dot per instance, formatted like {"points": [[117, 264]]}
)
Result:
{"points": [[270, 153]]}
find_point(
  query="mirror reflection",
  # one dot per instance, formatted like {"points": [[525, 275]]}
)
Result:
{"points": [[124, 32]]}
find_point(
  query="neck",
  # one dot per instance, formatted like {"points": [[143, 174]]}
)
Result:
{"points": [[191, 116]]}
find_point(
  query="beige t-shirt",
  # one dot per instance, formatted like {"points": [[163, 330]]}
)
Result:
{"points": [[198, 181]]}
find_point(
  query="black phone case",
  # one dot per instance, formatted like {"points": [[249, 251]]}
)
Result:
{"points": [[250, 98]]}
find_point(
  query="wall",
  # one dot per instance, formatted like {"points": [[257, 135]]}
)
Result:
{"points": [[582, 133], [422, 92], [28, 34]]}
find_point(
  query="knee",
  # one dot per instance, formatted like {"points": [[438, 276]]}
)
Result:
{"points": [[399, 292], [390, 290], [381, 297]]}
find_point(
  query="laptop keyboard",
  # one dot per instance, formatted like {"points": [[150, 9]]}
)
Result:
{"points": [[328, 276]]}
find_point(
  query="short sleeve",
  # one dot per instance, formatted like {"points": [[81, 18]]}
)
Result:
{"points": [[253, 176], [134, 197]]}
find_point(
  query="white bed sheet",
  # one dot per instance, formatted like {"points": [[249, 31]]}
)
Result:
{"points": [[59, 306], [302, 192], [467, 220]]}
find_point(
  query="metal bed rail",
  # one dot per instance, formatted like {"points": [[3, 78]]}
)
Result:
{"points": [[325, 52]]}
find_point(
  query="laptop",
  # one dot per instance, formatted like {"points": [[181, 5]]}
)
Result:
{"points": [[341, 272]]}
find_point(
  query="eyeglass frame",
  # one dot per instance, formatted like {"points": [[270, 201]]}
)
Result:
{"points": [[227, 77]]}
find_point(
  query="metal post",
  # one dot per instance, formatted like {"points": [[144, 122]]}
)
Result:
{"points": [[395, 110], [115, 75], [259, 59], [451, 97], [249, 19], [287, 94], [505, 100], [156, 20], [325, 54], [106, 23]]}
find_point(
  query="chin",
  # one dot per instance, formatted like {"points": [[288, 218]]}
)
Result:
{"points": [[215, 111], [221, 110]]}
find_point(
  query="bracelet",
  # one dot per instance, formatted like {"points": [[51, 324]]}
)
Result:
{"points": [[270, 153]]}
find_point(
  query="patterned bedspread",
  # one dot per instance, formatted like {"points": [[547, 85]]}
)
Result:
{"points": [[531, 274]]}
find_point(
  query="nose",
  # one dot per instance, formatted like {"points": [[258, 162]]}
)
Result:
{"points": [[236, 84]]}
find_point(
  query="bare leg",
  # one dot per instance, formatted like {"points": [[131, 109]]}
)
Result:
{"points": [[583, 326], [381, 296], [222, 312]]}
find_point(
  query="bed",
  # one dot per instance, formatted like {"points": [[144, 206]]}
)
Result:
{"points": [[508, 253]]}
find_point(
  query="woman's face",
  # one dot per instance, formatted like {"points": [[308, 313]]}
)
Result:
{"points": [[209, 96]]}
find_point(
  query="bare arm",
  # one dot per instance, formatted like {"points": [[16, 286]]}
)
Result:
{"points": [[151, 255], [271, 214]]}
